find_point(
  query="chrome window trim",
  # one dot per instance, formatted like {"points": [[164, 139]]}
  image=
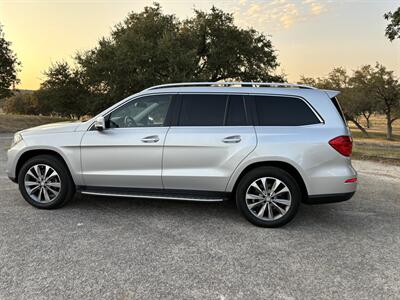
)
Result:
{"points": [[321, 120], [106, 112]]}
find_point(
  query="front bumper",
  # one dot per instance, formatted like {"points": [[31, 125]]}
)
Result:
{"points": [[13, 155], [328, 198]]}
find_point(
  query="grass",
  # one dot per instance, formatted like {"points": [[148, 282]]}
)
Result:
{"points": [[376, 147], [377, 130], [376, 153], [375, 135], [13, 123]]}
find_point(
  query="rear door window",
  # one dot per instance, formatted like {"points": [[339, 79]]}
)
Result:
{"points": [[202, 110], [283, 111]]}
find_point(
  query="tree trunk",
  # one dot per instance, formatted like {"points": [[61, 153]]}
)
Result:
{"points": [[389, 129], [367, 116], [389, 126], [362, 129]]}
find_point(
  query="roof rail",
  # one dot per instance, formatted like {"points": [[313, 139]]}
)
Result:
{"points": [[230, 84]]}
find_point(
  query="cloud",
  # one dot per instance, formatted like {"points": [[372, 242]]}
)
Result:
{"points": [[277, 14], [289, 15], [316, 8]]}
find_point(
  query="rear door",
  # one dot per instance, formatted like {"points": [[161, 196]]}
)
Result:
{"points": [[211, 135]]}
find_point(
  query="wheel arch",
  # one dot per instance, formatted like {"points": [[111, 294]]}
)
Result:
{"points": [[24, 157], [278, 164]]}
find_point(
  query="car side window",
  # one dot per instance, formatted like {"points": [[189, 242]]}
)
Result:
{"points": [[283, 111], [148, 111], [202, 110]]}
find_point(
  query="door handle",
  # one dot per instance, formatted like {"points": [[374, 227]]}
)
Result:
{"points": [[151, 139], [232, 139]]}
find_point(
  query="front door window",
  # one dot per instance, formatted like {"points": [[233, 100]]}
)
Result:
{"points": [[150, 111]]}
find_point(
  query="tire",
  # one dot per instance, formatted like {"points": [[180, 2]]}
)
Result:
{"points": [[276, 208], [52, 188]]}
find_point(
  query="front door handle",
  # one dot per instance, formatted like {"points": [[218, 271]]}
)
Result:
{"points": [[232, 139], [151, 139]]}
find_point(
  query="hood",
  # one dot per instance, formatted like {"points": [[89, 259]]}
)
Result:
{"points": [[52, 128]]}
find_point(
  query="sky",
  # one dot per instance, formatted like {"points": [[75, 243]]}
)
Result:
{"points": [[311, 37]]}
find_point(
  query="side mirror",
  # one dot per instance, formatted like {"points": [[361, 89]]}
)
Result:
{"points": [[100, 124]]}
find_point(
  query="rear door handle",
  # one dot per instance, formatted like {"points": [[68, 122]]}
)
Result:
{"points": [[232, 139], [151, 139]]}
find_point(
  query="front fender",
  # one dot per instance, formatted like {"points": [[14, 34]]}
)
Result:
{"points": [[66, 145]]}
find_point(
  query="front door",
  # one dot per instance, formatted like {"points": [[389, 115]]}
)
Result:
{"points": [[128, 153]]}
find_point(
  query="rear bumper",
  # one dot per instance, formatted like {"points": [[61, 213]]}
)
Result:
{"points": [[328, 198]]}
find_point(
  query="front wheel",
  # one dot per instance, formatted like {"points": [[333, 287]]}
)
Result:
{"points": [[268, 197], [44, 182]]}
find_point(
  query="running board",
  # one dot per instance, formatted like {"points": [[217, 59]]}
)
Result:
{"points": [[162, 194]]}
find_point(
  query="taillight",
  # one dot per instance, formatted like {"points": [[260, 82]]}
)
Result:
{"points": [[342, 144]]}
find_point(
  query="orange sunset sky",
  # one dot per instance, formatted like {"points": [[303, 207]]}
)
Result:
{"points": [[311, 37]]}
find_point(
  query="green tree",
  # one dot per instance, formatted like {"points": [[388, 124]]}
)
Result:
{"points": [[356, 103], [380, 84], [309, 81], [225, 51], [8, 66], [151, 47], [144, 50], [353, 102], [393, 28], [63, 92], [26, 104]]}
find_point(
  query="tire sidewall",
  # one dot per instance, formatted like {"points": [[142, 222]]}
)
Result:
{"points": [[66, 186], [268, 172]]}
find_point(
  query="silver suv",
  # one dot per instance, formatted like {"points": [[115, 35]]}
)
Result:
{"points": [[269, 146]]}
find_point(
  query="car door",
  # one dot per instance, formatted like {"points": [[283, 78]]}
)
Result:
{"points": [[208, 140], [128, 152]]}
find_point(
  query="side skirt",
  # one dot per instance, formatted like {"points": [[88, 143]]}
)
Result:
{"points": [[182, 195]]}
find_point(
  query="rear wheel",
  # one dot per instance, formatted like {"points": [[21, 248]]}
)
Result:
{"points": [[45, 182], [268, 197]]}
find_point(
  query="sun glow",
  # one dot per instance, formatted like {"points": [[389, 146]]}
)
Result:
{"points": [[312, 37]]}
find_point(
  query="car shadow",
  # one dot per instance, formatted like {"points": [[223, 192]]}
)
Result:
{"points": [[337, 215], [157, 208]]}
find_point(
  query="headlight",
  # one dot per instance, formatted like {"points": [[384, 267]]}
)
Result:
{"points": [[17, 139]]}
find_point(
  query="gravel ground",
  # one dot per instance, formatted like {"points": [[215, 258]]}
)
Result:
{"points": [[103, 248]]}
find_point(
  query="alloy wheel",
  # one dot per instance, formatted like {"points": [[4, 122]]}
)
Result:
{"points": [[42, 183], [268, 198]]}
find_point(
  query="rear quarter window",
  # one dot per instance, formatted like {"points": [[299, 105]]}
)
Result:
{"points": [[283, 111]]}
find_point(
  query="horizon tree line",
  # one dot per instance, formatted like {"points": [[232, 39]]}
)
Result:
{"points": [[150, 48]]}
